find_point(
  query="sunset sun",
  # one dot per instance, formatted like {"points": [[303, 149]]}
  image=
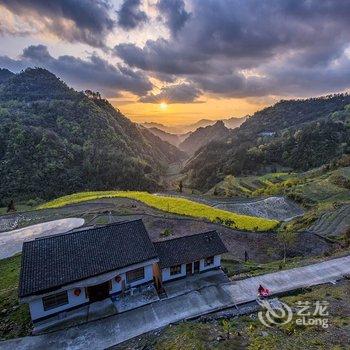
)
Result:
{"points": [[163, 106]]}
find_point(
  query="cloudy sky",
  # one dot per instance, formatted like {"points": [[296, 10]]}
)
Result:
{"points": [[177, 61]]}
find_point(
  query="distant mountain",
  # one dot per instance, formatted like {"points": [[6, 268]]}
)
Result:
{"points": [[55, 140], [167, 129], [5, 74], [291, 135], [230, 123], [233, 123], [203, 136], [173, 139], [202, 123], [179, 129]]}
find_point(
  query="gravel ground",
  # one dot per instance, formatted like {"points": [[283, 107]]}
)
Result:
{"points": [[260, 247]]}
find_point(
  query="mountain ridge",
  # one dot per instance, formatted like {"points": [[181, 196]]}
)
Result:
{"points": [[55, 140], [291, 135], [230, 123], [203, 136]]}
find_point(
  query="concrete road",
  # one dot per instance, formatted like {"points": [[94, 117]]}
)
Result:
{"points": [[116, 329], [11, 241], [284, 281]]}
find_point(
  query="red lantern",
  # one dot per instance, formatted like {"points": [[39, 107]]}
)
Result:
{"points": [[77, 291], [118, 279]]}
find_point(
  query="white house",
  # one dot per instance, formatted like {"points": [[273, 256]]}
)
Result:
{"points": [[67, 271], [188, 255], [63, 272]]}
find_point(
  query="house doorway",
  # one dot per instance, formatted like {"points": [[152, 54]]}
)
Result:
{"points": [[98, 292], [196, 267], [189, 269]]}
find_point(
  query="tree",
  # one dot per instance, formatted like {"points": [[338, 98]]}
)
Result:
{"points": [[11, 206], [287, 238], [180, 186], [347, 237]]}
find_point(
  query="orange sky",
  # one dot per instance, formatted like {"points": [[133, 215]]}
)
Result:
{"points": [[186, 113]]}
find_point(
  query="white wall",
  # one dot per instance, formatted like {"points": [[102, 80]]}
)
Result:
{"points": [[117, 287], [166, 273], [37, 308], [217, 263]]}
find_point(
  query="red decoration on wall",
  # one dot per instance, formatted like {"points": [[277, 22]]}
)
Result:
{"points": [[77, 291], [118, 279]]}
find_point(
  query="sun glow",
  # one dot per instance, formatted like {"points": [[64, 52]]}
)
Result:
{"points": [[163, 106]]}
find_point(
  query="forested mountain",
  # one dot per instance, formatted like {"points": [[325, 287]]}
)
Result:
{"points": [[55, 140], [5, 74], [194, 142], [291, 135], [203, 136]]}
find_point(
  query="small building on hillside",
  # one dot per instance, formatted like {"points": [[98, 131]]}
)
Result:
{"points": [[67, 271], [188, 255]]}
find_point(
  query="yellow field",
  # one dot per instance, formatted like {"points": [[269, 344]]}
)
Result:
{"points": [[174, 205]]}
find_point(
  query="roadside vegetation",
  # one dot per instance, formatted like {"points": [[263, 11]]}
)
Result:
{"points": [[246, 332], [14, 317], [237, 269], [173, 205]]}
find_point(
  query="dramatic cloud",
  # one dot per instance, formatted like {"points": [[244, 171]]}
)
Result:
{"points": [[174, 13], [86, 21], [94, 72], [182, 93], [159, 56], [224, 48], [130, 16], [251, 48]]}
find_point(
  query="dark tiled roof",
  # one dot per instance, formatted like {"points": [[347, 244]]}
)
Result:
{"points": [[186, 249], [52, 262]]}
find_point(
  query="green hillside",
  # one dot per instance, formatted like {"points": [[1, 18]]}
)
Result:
{"points": [[295, 135], [55, 140]]}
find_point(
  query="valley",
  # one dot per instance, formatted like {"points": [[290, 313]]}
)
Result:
{"points": [[273, 211], [174, 175]]}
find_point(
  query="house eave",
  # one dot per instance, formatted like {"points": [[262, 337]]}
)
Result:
{"points": [[87, 281]]}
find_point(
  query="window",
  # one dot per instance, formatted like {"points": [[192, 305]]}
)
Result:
{"points": [[175, 270], [55, 300], [209, 261], [135, 275]]}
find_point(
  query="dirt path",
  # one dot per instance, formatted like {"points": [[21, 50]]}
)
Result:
{"points": [[113, 330]]}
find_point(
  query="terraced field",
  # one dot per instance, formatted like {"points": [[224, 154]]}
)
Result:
{"points": [[313, 187], [333, 223], [278, 208], [247, 185], [174, 205]]}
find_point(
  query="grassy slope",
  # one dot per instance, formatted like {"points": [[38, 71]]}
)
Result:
{"points": [[246, 186], [174, 205], [14, 318], [318, 186], [309, 188]]}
